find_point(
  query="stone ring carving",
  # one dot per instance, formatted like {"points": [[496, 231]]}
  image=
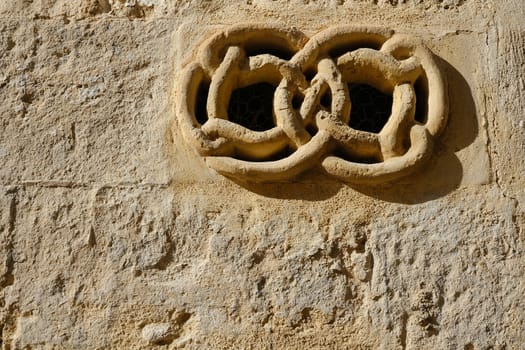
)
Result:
{"points": [[305, 132]]}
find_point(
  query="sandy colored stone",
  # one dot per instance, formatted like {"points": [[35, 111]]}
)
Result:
{"points": [[391, 63], [157, 333], [112, 224]]}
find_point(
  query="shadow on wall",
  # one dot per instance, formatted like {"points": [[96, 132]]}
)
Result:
{"points": [[439, 176], [311, 186], [443, 172]]}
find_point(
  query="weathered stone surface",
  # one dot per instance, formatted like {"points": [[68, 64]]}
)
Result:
{"points": [[114, 234], [156, 333]]}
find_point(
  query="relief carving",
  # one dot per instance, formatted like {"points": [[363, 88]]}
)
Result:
{"points": [[265, 103]]}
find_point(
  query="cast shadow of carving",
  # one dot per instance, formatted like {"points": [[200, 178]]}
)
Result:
{"points": [[311, 186], [439, 176], [443, 172]]}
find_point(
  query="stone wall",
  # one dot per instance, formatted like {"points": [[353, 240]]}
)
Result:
{"points": [[114, 234]]}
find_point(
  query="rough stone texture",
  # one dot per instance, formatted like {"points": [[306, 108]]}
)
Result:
{"points": [[110, 227]]}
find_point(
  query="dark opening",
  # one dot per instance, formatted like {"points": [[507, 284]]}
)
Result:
{"points": [[201, 113], [370, 108], [421, 91], [312, 129], [286, 152], [309, 74], [252, 107], [297, 101], [281, 51], [341, 50], [326, 99]]}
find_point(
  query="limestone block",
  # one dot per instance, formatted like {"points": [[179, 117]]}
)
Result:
{"points": [[88, 82], [115, 234]]}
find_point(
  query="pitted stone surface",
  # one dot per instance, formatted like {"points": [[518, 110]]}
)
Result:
{"points": [[115, 235]]}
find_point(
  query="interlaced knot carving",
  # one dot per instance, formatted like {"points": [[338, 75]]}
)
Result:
{"points": [[304, 130]]}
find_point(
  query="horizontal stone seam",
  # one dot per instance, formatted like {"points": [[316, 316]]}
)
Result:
{"points": [[433, 29], [70, 184], [75, 19]]}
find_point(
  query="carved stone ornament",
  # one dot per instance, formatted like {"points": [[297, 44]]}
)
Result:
{"points": [[309, 119]]}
